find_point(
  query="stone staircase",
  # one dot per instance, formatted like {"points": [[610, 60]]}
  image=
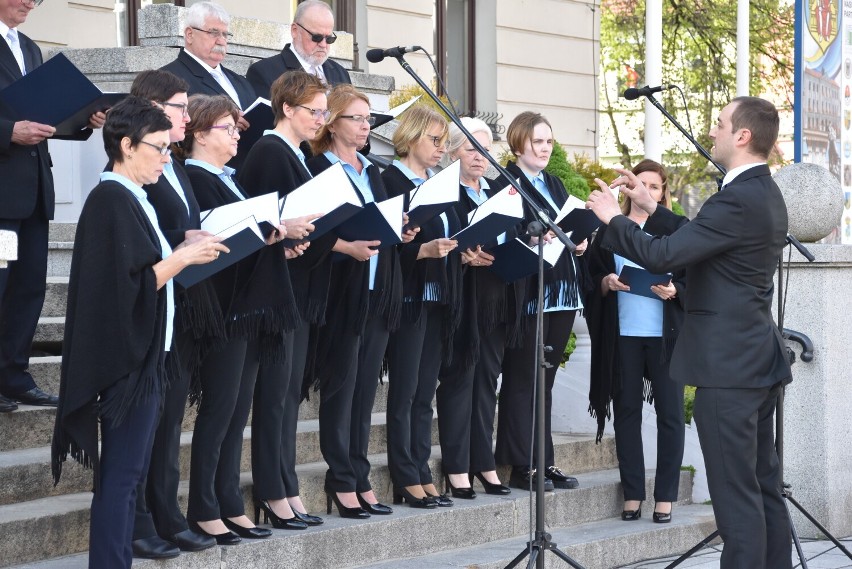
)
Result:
{"points": [[47, 527]]}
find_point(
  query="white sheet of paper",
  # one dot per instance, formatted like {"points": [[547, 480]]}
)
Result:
{"points": [[249, 222], [321, 194], [443, 187], [399, 109], [572, 203], [258, 101], [507, 202], [391, 210], [262, 208]]}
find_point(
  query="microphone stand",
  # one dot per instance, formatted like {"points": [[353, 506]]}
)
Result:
{"points": [[806, 356], [542, 541]]}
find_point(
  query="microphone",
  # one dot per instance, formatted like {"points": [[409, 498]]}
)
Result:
{"points": [[377, 55], [633, 93]]}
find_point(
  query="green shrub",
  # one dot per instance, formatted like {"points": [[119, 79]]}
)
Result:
{"points": [[405, 94], [688, 403], [569, 348]]}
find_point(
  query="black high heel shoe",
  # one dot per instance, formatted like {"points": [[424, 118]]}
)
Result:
{"points": [[662, 517], [632, 515], [345, 512], [463, 493], [277, 521], [490, 487], [248, 533], [377, 509], [401, 495], [227, 538], [307, 518], [441, 500]]}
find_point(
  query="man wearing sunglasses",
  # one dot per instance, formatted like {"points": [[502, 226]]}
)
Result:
{"points": [[313, 33], [26, 205]]}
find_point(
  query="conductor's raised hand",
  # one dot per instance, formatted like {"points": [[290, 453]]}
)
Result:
{"points": [[27, 133], [633, 188], [603, 203]]}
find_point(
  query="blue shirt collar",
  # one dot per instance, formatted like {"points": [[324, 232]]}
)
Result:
{"points": [[411, 175], [210, 167]]}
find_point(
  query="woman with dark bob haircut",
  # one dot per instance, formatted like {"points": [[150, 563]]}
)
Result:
{"points": [[119, 326], [632, 341], [259, 308]]}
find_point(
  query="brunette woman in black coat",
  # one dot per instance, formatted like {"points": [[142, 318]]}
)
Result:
{"points": [[632, 341], [530, 138], [364, 306], [275, 163], [467, 392], [431, 313], [259, 308]]}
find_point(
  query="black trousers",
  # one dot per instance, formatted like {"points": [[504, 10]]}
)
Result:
{"points": [[267, 426], [467, 402], [157, 508], [228, 376], [22, 290], [736, 431], [292, 399], [636, 356], [345, 412], [414, 362], [516, 417], [124, 459]]}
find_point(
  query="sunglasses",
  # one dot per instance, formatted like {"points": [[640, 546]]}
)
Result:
{"points": [[317, 38]]}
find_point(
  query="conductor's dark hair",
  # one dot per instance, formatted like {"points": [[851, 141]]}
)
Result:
{"points": [[133, 118], [158, 85], [760, 117]]}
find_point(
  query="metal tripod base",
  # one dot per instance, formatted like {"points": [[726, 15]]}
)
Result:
{"points": [[536, 548]]}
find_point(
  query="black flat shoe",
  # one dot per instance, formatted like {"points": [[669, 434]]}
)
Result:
{"points": [[36, 396], [522, 476], [345, 512], [154, 547], [559, 478], [662, 518], [632, 515], [307, 518], [490, 488], [188, 540], [248, 533], [227, 538], [277, 521], [377, 509], [463, 493], [7, 405], [401, 495], [441, 500]]}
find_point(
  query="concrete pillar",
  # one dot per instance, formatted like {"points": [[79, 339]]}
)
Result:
{"points": [[743, 67], [653, 77]]}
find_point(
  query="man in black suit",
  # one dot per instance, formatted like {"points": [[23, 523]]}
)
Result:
{"points": [[26, 206], [199, 63], [312, 31], [729, 347]]}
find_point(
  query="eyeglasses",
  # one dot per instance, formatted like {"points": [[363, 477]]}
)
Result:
{"points": [[317, 38], [317, 113], [230, 128], [369, 119], [181, 106], [163, 150], [35, 3], [436, 140], [215, 33]]}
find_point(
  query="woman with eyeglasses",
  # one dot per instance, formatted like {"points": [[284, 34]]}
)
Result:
{"points": [[364, 304], [259, 307], [119, 326], [431, 312], [275, 163], [467, 392], [530, 139], [632, 340]]}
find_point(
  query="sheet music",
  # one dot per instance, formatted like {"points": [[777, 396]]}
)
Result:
{"points": [[443, 187], [262, 209], [321, 194]]}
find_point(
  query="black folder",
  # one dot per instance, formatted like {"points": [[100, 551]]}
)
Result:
{"points": [[484, 230], [260, 118], [640, 281], [241, 244], [581, 223], [423, 213], [326, 223], [58, 94], [513, 260], [368, 225]]}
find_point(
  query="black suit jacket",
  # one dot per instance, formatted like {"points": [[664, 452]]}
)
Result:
{"points": [[261, 74], [25, 175], [730, 251], [200, 80]]}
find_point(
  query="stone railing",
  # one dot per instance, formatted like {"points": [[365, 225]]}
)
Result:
{"points": [[8, 248]]}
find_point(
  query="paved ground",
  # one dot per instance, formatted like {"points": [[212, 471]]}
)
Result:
{"points": [[819, 554]]}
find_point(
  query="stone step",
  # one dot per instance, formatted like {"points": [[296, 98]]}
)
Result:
{"points": [[32, 427], [26, 474], [59, 258], [56, 297], [62, 231], [50, 330], [52, 527]]}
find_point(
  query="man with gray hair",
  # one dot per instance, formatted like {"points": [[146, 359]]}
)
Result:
{"points": [[199, 63], [312, 31]]}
